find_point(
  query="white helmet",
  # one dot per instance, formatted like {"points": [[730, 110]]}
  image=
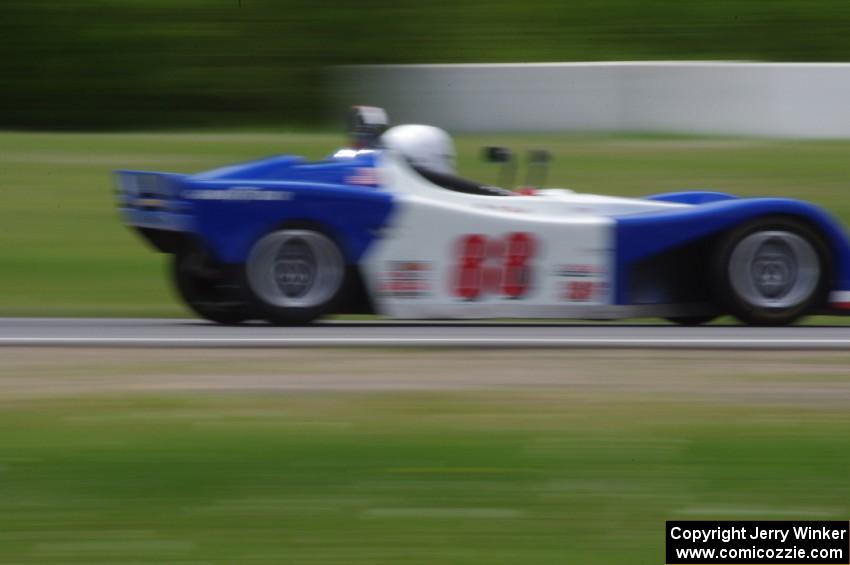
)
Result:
{"points": [[424, 146]]}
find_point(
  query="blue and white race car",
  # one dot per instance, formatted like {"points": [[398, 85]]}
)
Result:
{"points": [[385, 226]]}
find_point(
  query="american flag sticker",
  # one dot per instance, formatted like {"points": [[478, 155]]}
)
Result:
{"points": [[364, 176]]}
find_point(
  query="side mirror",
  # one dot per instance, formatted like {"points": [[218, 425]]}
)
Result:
{"points": [[539, 157], [538, 167], [503, 155], [496, 154]]}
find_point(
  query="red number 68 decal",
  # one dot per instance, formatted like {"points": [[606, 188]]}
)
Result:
{"points": [[494, 265]]}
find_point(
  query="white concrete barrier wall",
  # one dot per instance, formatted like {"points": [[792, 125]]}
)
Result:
{"points": [[759, 99]]}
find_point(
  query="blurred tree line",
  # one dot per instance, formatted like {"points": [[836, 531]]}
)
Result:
{"points": [[109, 64]]}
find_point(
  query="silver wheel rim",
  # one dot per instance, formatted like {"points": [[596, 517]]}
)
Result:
{"points": [[295, 269], [774, 269]]}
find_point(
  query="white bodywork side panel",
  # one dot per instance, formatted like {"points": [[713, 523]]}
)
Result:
{"points": [[452, 255]]}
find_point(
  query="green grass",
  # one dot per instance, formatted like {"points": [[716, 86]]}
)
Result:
{"points": [[269, 456], [501, 477], [64, 250]]}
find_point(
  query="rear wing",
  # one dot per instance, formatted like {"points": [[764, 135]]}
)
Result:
{"points": [[144, 189], [153, 201]]}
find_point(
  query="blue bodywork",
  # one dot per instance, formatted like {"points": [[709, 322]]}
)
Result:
{"points": [[691, 197], [229, 208], [641, 236]]}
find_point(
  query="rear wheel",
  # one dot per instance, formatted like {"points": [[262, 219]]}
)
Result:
{"points": [[210, 290], [295, 276], [771, 271]]}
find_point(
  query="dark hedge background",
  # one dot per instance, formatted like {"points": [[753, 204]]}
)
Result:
{"points": [[130, 64]]}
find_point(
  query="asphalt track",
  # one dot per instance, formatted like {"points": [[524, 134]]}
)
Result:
{"points": [[123, 332]]}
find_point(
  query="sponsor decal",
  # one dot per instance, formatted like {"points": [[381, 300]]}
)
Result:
{"points": [[406, 279], [581, 290], [584, 291], [149, 203], [363, 176], [579, 270], [238, 193]]}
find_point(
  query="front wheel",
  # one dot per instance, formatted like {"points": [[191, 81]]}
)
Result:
{"points": [[771, 271], [295, 275]]}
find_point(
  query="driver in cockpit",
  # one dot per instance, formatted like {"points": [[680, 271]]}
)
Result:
{"points": [[431, 153]]}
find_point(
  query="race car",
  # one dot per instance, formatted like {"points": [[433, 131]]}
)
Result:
{"points": [[386, 226]]}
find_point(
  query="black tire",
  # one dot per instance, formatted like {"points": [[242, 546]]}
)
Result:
{"points": [[691, 320], [295, 275], [209, 290], [771, 271]]}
